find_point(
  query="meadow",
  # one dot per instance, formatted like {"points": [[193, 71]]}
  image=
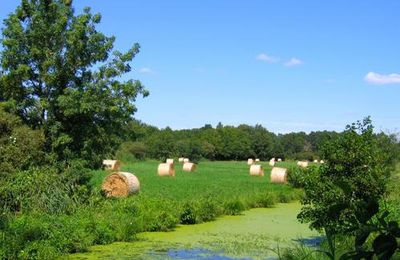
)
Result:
{"points": [[223, 181], [215, 189]]}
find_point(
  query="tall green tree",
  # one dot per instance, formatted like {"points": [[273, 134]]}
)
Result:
{"points": [[60, 74]]}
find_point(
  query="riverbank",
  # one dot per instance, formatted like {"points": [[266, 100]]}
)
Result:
{"points": [[255, 234]]}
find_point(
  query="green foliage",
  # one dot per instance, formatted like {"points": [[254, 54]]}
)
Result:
{"points": [[20, 146], [344, 194], [52, 204], [35, 190], [297, 176], [385, 242], [59, 76], [129, 151], [234, 207], [228, 142]]}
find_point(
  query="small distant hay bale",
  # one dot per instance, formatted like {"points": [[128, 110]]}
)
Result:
{"points": [[181, 159], [278, 175], [315, 161], [257, 160], [166, 169], [256, 170], [279, 159], [322, 161], [303, 164], [170, 161], [120, 184], [272, 162], [113, 165], [189, 167], [250, 161], [185, 160]]}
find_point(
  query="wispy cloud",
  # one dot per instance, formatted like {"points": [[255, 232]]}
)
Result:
{"points": [[382, 79], [267, 58], [145, 70], [293, 62]]}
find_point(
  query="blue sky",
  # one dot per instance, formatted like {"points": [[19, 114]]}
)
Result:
{"points": [[288, 65]]}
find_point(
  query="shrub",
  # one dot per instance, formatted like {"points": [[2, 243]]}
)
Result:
{"points": [[38, 189], [20, 146], [344, 194]]}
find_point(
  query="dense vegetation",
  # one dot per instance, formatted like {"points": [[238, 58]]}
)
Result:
{"points": [[63, 108], [46, 210], [221, 143]]}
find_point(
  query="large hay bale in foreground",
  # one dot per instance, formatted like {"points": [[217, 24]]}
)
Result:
{"points": [[113, 165], [250, 161], [278, 175], [170, 161], [181, 159], [256, 170], [166, 169], [303, 164], [189, 167], [120, 184]]}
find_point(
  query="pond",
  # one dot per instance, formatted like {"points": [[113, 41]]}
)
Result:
{"points": [[256, 234]]}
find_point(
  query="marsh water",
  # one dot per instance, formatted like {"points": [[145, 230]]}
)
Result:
{"points": [[256, 234]]}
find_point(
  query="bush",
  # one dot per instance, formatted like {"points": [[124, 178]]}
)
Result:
{"points": [[20, 146], [38, 189], [297, 176], [344, 194]]}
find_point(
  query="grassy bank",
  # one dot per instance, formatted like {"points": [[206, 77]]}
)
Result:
{"points": [[216, 188]]}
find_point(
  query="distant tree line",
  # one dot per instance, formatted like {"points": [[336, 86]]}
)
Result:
{"points": [[225, 143]]}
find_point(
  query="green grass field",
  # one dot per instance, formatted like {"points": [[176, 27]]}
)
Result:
{"points": [[223, 181]]}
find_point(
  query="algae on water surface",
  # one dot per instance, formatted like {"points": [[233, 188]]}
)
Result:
{"points": [[255, 234]]}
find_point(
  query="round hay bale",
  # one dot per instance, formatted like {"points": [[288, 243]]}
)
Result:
{"points": [[170, 161], [322, 161], [256, 170], [189, 167], [257, 160], [113, 165], [272, 162], [303, 164], [279, 159], [166, 169], [315, 161], [250, 161], [120, 184], [278, 175], [185, 160], [181, 159]]}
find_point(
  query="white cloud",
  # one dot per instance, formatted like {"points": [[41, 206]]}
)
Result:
{"points": [[145, 70], [382, 79], [293, 62], [267, 58]]}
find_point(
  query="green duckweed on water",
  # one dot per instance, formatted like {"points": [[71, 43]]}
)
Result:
{"points": [[256, 234]]}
